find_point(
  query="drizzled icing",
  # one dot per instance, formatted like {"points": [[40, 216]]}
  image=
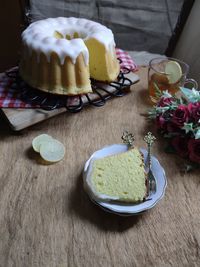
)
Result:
{"points": [[39, 36]]}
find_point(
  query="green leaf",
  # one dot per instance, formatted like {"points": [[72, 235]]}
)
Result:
{"points": [[188, 127], [166, 94], [162, 109], [152, 114], [197, 134], [188, 167], [191, 94], [158, 92], [174, 105]]}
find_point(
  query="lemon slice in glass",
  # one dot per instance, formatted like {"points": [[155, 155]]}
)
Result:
{"points": [[52, 150], [173, 71], [38, 140]]}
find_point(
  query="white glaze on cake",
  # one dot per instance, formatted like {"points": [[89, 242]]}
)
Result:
{"points": [[39, 36]]}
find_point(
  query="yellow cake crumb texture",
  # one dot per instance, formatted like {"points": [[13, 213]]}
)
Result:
{"points": [[120, 177]]}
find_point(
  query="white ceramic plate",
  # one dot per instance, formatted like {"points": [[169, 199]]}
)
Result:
{"points": [[123, 208]]}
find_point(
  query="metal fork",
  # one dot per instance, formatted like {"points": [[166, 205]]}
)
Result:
{"points": [[151, 181]]}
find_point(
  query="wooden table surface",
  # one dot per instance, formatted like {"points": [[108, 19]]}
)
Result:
{"points": [[46, 219]]}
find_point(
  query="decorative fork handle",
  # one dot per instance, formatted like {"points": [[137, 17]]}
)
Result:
{"points": [[149, 139], [128, 139]]}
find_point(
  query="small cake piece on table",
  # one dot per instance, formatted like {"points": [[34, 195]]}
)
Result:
{"points": [[120, 177]]}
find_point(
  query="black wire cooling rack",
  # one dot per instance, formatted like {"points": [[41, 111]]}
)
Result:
{"points": [[48, 101]]}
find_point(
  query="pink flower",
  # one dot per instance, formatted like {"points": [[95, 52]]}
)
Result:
{"points": [[164, 119], [165, 101], [180, 115], [180, 144], [194, 150], [161, 122], [194, 111]]}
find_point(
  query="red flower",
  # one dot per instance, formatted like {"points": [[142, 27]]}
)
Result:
{"points": [[165, 101], [180, 115], [194, 150], [194, 110], [173, 128], [180, 144]]}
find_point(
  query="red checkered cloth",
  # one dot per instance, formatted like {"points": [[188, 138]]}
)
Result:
{"points": [[126, 60], [10, 97]]}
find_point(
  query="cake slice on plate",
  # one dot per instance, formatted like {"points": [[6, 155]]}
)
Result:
{"points": [[119, 177]]}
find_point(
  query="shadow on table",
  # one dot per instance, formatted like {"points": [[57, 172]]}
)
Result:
{"points": [[83, 207], [6, 130], [4, 127]]}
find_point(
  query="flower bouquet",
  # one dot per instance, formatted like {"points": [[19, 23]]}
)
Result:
{"points": [[178, 119]]}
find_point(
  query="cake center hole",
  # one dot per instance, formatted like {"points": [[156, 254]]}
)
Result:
{"points": [[74, 35]]}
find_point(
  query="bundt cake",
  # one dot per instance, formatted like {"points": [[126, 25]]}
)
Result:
{"points": [[60, 55], [119, 177]]}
